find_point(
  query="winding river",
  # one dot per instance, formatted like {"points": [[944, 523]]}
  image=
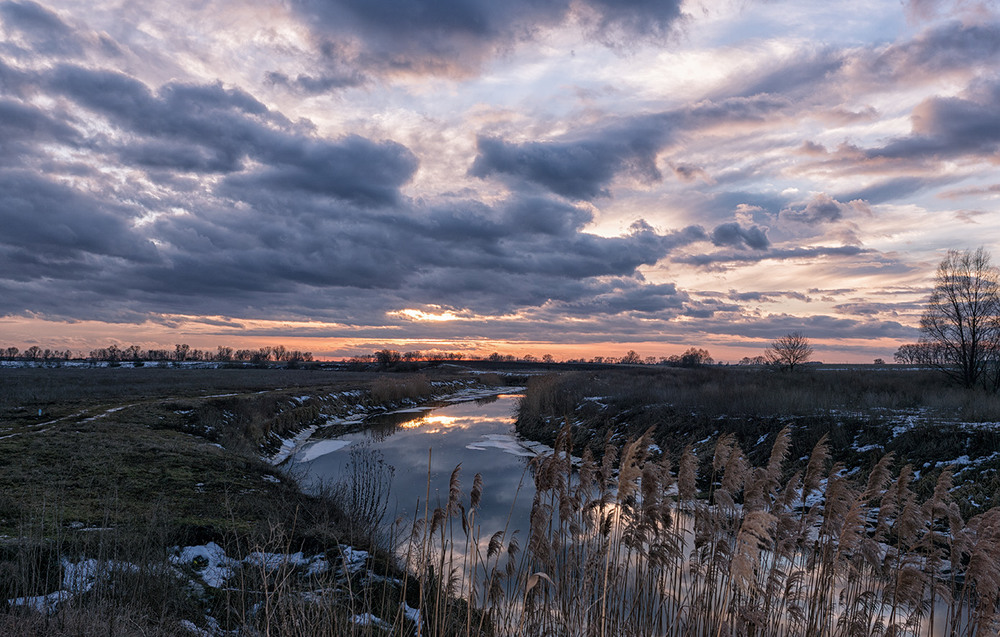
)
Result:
{"points": [[478, 434]]}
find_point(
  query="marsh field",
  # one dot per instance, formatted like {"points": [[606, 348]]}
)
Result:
{"points": [[706, 501]]}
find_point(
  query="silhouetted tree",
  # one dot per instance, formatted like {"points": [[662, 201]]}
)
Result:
{"points": [[694, 357], [631, 358], [789, 351], [387, 358], [963, 317]]}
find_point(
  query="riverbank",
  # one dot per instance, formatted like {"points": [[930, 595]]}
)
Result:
{"points": [[913, 415], [124, 493]]}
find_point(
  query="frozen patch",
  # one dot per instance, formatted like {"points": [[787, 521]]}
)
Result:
{"points": [[505, 443], [321, 448]]}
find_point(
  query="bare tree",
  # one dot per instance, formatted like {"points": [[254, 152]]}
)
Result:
{"points": [[789, 351], [631, 358], [386, 358], [963, 317]]}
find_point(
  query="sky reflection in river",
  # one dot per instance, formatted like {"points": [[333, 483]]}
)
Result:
{"points": [[479, 435]]}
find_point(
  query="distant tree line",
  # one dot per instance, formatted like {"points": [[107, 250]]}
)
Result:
{"points": [[35, 353], [921, 354], [180, 353], [389, 358]]}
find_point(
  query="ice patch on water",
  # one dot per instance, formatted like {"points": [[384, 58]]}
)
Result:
{"points": [[321, 448], [503, 442]]}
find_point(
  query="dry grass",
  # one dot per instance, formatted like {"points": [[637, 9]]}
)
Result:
{"points": [[739, 542], [639, 551]]}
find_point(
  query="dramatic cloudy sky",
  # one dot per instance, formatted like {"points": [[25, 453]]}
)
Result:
{"points": [[577, 177]]}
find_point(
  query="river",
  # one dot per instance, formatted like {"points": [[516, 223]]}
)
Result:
{"points": [[478, 434]]}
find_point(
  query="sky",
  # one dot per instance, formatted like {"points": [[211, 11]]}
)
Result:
{"points": [[574, 177]]}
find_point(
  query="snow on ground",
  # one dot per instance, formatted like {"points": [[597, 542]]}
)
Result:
{"points": [[218, 567], [868, 448], [214, 567], [78, 578], [367, 619]]}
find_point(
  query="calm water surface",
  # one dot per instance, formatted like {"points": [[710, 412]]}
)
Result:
{"points": [[478, 434]]}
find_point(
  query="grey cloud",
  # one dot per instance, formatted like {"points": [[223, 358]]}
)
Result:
{"points": [[318, 84], [432, 36], [890, 189], [753, 257], [23, 127], [771, 326], [60, 224], [627, 296], [583, 164], [954, 45], [544, 216], [795, 77], [492, 259], [212, 129], [576, 169], [735, 235], [945, 127], [768, 297], [823, 208], [970, 191], [353, 168], [46, 32], [707, 308], [866, 308]]}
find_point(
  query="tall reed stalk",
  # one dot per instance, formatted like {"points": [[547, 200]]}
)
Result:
{"points": [[633, 547]]}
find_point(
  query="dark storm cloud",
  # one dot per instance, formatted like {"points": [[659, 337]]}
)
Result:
{"points": [[292, 223], [212, 129], [735, 235], [353, 168], [639, 298], [576, 169], [491, 259], [44, 30], [22, 127], [435, 36], [60, 224], [583, 164]]}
